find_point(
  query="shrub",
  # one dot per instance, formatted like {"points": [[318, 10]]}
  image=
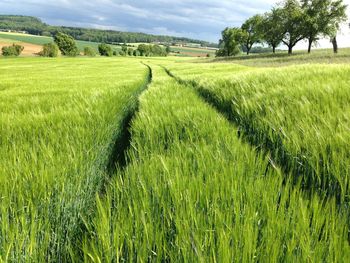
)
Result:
{"points": [[167, 49], [14, 50], [105, 50], [151, 50], [130, 51], [49, 50], [144, 49], [89, 51], [136, 53], [66, 44], [115, 53], [157, 50]]}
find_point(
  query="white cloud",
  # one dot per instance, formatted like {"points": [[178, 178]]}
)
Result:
{"points": [[191, 18]]}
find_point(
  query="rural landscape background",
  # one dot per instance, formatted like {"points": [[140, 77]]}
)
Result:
{"points": [[150, 136]]}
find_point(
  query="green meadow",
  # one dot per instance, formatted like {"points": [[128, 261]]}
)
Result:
{"points": [[175, 159], [41, 40], [59, 121]]}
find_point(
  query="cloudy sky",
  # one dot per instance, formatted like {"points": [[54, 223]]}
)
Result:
{"points": [[199, 19]]}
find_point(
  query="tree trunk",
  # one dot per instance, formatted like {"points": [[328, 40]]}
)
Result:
{"points": [[273, 49], [335, 45], [290, 50], [310, 45]]}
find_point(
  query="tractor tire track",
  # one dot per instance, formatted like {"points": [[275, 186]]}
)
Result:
{"points": [[296, 167], [104, 169]]}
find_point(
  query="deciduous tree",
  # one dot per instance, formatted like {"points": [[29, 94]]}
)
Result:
{"points": [[323, 17], [49, 50], [251, 33], [293, 23], [105, 50], [144, 49], [89, 51], [271, 28], [230, 42], [14, 50], [66, 44]]}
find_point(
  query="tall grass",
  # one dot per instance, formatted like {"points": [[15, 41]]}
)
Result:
{"points": [[300, 114], [324, 56], [59, 119], [197, 184], [194, 192]]}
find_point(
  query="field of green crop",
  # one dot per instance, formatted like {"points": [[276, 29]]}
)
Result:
{"points": [[194, 191], [58, 122], [323, 56], [192, 52], [175, 160], [300, 114], [41, 40], [37, 40]]}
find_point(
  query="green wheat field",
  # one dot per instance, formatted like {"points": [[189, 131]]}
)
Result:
{"points": [[175, 159]]}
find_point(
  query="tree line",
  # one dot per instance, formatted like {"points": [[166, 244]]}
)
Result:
{"points": [[68, 47], [288, 23], [146, 50], [35, 26]]}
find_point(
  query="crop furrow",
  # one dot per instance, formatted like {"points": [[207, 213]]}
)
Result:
{"points": [[192, 191], [62, 130], [116, 159], [122, 140], [302, 171]]}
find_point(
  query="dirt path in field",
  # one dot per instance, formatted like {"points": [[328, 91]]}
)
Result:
{"points": [[279, 157], [123, 141], [115, 159], [29, 49]]}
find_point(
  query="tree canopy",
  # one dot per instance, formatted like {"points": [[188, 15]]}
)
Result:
{"points": [[251, 32], [271, 30], [289, 22], [230, 42], [49, 50], [105, 50], [13, 50], [66, 44], [151, 50], [322, 18], [293, 23]]}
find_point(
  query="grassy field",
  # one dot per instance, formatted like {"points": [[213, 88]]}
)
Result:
{"points": [[194, 192], [29, 49], [299, 114], [192, 52], [59, 121], [217, 161], [41, 40], [324, 56], [32, 39], [184, 51]]}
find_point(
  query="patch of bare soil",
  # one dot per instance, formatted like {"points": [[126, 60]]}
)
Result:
{"points": [[29, 49]]}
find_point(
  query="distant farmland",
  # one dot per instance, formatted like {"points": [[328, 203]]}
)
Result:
{"points": [[41, 40], [192, 52]]}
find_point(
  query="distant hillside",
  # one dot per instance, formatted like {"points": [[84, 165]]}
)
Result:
{"points": [[35, 26]]}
